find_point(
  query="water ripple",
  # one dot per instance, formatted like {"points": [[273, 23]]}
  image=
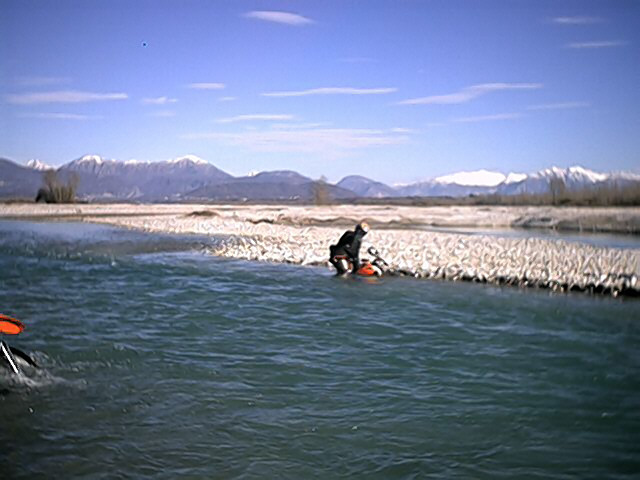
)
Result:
{"points": [[173, 364]]}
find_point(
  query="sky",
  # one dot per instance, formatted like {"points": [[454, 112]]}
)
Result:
{"points": [[395, 90]]}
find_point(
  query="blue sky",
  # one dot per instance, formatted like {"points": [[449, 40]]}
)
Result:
{"points": [[396, 90]]}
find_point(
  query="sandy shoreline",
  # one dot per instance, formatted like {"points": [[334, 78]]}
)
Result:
{"points": [[302, 235], [602, 219]]}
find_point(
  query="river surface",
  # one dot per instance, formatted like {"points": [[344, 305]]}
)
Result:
{"points": [[161, 361], [596, 239]]}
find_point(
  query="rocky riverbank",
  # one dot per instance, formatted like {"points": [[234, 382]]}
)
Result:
{"points": [[302, 235], [527, 262]]}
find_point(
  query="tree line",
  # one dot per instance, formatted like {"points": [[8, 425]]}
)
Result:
{"points": [[55, 190], [557, 195]]}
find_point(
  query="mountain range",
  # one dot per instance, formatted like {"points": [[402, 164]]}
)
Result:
{"points": [[191, 178], [483, 182]]}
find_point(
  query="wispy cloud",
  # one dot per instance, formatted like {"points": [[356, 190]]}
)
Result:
{"points": [[66, 96], [330, 142], [159, 101], [403, 130], [226, 99], [206, 86], [469, 93], [36, 81], [597, 44], [559, 106], [489, 118], [59, 116], [286, 18], [577, 20], [331, 91], [254, 117], [299, 126]]}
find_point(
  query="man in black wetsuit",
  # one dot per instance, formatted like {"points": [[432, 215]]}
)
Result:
{"points": [[346, 253]]}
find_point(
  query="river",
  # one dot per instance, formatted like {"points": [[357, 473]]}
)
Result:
{"points": [[161, 361]]}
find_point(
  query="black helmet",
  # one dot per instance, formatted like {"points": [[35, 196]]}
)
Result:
{"points": [[363, 227]]}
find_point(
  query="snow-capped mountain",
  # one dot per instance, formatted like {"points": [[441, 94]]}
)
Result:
{"points": [[38, 165], [191, 177], [458, 184], [140, 179], [484, 182], [188, 159], [478, 178], [102, 166], [185, 177], [514, 178], [573, 178]]}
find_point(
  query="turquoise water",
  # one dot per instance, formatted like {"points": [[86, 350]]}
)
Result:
{"points": [[161, 361]]}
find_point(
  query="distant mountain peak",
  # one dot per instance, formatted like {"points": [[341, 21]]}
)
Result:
{"points": [[477, 178], [38, 165], [366, 187], [189, 159], [280, 176], [593, 176], [515, 177], [575, 173], [190, 176], [134, 161], [281, 173], [97, 159]]}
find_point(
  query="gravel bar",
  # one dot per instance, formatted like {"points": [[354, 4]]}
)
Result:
{"points": [[302, 235]]}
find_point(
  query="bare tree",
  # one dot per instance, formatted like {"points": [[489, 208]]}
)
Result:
{"points": [[320, 191], [55, 192], [558, 189]]}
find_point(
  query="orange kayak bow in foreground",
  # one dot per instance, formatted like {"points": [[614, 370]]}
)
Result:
{"points": [[10, 357]]}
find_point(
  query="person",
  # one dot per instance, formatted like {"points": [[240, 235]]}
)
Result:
{"points": [[345, 255]]}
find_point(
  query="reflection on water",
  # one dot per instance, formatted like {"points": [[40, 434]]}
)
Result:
{"points": [[78, 238]]}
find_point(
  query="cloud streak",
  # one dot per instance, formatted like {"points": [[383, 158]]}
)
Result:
{"points": [[58, 116], [489, 118], [206, 86], [469, 93], [285, 18], [159, 101], [331, 142], [576, 20], [559, 106], [331, 91], [66, 96], [596, 44], [254, 117]]}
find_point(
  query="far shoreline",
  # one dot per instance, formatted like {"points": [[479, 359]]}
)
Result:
{"points": [[616, 220]]}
